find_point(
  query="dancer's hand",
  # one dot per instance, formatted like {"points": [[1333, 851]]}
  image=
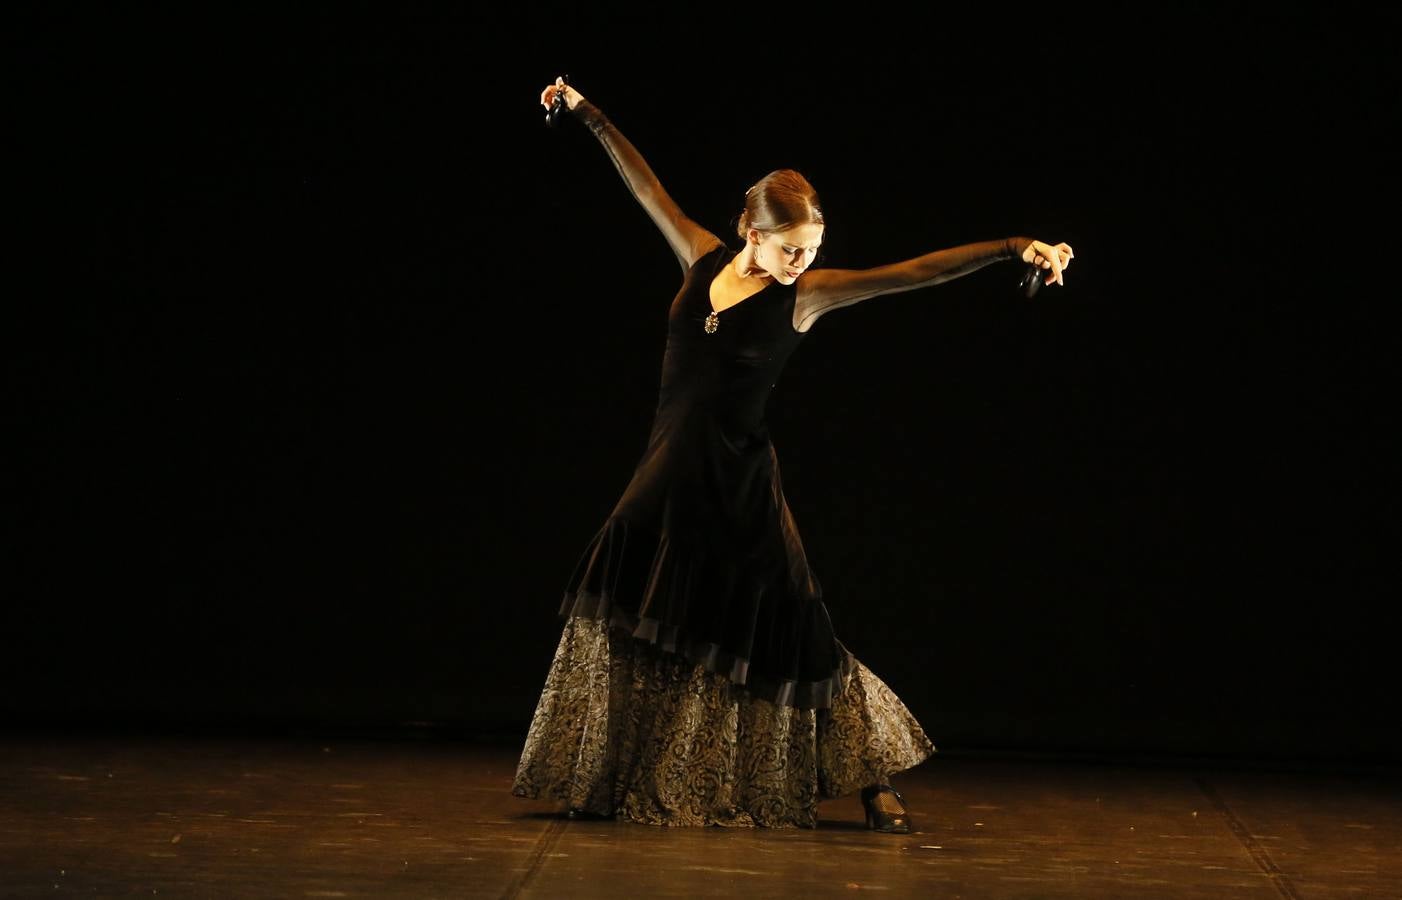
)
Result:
{"points": [[572, 96], [1048, 257]]}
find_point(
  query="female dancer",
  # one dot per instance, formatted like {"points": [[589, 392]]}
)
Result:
{"points": [[698, 680]]}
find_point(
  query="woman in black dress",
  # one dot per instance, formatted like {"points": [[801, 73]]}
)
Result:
{"points": [[697, 680]]}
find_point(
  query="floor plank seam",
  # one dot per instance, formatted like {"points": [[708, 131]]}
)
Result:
{"points": [[548, 839], [1243, 834]]}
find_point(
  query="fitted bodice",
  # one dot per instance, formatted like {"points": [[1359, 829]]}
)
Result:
{"points": [[729, 373]]}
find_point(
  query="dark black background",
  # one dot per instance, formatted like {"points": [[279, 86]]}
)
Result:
{"points": [[326, 357]]}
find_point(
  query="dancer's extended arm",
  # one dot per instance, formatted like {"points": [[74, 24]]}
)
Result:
{"points": [[689, 241], [822, 290]]}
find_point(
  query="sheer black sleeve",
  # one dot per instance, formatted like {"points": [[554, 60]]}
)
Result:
{"points": [[688, 240], [822, 290]]}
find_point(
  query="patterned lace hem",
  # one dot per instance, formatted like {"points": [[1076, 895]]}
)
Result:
{"points": [[626, 729]]}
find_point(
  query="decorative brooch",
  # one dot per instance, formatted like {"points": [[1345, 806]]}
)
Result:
{"points": [[712, 321]]}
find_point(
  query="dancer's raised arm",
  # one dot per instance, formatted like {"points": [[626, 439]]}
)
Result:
{"points": [[687, 239], [823, 290]]}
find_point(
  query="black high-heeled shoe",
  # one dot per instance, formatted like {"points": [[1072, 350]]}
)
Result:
{"points": [[881, 814], [575, 814]]}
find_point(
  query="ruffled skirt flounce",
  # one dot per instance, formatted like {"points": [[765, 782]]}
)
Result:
{"points": [[627, 729], [759, 621]]}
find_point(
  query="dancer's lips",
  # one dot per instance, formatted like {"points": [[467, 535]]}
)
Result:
{"points": [[793, 274]]}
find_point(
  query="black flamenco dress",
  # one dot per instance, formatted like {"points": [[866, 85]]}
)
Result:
{"points": [[701, 556], [698, 679]]}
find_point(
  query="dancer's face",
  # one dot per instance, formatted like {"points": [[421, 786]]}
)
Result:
{"points": [[788, 254]]}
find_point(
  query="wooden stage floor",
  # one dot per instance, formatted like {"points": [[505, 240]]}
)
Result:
{"points": [[201, 816]]}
